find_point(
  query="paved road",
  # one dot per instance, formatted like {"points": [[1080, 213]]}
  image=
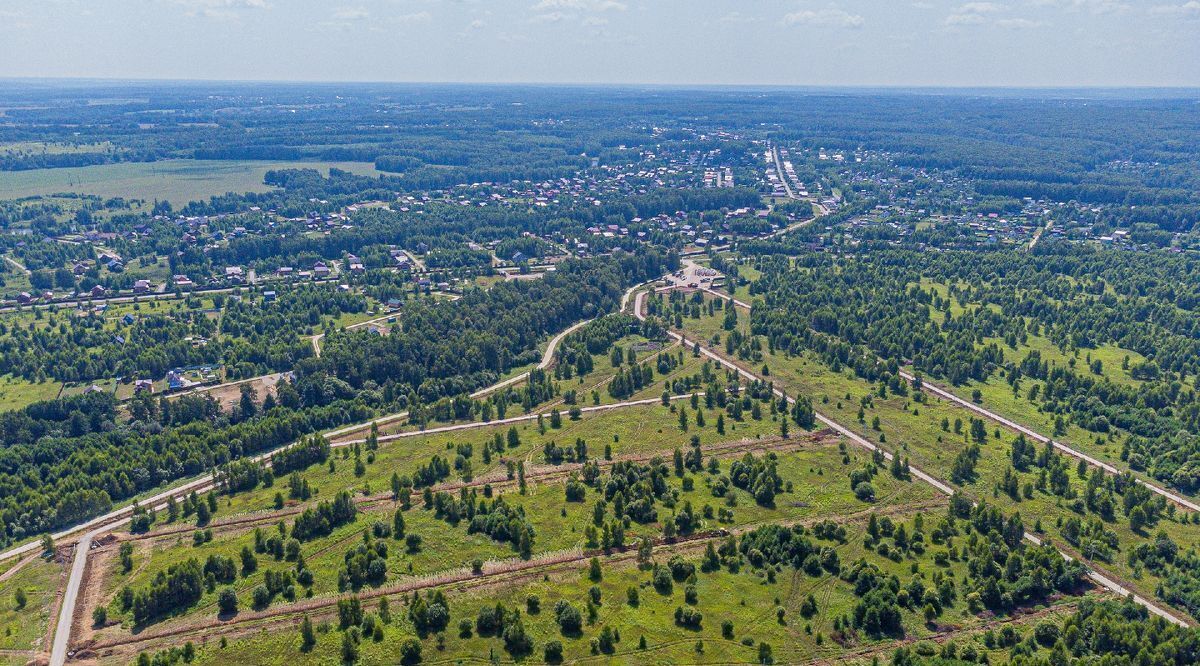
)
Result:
{"points": [[62, 632], [782, 175], [1037, 236], [941, 486]]}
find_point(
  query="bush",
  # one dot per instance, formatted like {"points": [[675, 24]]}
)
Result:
{"points": [[262, 596], [227, 601], [865, 492], [688, 617], [553, 652], [568, 617], [410, 651], [1046, 633]]}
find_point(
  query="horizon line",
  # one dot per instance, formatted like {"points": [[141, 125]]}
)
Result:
{"points": [[609, 84]]}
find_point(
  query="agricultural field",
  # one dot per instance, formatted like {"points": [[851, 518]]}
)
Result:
{"points": [[51, 147], [177, 181]]}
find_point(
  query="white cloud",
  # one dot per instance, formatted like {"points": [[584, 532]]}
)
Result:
{"points": [[219, 9], [1020, 23], [549, 17], [738, 17], [586, 12], [965, 19], [350, 14], [825, 17], [415, 17], [973, 13], [982, 7], [1190, 9], [1092, 6], [580, 5]]}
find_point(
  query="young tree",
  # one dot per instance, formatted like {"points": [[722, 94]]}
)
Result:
{"points": [[308, 637]]}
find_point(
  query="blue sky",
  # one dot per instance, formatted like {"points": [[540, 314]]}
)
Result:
{"points": [[774, 42]]}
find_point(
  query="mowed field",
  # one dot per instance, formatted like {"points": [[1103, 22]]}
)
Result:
{"points": [[177, 181]]}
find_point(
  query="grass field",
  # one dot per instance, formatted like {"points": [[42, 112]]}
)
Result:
{"points": [[51, 148], [25, 628], [557, 524], [177, 181], [16, 393]]}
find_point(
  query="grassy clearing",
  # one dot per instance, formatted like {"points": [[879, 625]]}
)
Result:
{"points": [[998, 396], [595, 381], [1111, 356], [812, 473], [52, 148], [16, 393]]}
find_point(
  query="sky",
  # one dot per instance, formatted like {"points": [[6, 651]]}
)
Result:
{"points": [[1021, 43]]}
